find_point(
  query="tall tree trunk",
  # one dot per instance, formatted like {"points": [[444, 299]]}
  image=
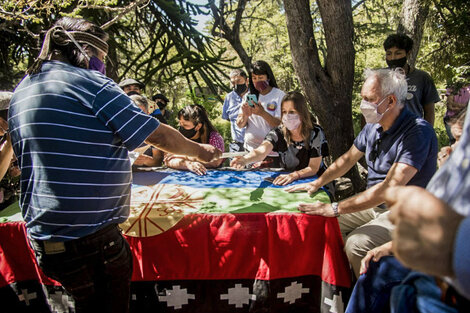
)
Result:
{"points": [[412, 18], [328, 88], [231, 34]]}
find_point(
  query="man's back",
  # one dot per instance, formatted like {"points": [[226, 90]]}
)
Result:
{"points": [[71, 130]]}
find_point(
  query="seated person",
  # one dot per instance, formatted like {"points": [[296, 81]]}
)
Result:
{"points": [[300, 143], [381, 270], [152, 156], [456, 128], [195, 125], [400, 149]]}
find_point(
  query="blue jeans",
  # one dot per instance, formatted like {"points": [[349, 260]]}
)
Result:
{"points": [[372, 290], [96, 270]]}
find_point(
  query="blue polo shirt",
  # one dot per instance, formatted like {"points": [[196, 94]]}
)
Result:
{"points": [[410, 140], [230, 112], [71, 129]]}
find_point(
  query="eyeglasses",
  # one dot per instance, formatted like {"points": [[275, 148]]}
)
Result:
{"points": [[374, 153]]}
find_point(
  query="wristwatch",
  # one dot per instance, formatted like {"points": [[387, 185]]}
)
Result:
{"points": [[334, 205]]}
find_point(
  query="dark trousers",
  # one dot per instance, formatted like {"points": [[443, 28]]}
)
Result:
{"points": [[96, 270]]}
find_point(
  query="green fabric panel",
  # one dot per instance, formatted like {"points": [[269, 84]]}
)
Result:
{"points": [[260, 200]]}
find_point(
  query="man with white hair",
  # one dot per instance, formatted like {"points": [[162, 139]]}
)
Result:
{"points": [[400, 149]]}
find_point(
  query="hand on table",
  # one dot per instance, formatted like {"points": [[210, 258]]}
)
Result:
{"points": [[309, 187], [375, 255], [196, 167], [317, 208], [238, 163], [284, 179], [425, 229]]}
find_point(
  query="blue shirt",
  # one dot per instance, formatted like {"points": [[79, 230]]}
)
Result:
{"points": [[71, 129], [410, 140], [230, 112], [452, 185]]}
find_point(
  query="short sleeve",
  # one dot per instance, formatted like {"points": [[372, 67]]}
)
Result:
{"points": [[360, 142], [415, 147], [430, 94], [318, 145], [216, 140], [116, 110], [225, 107], [273, 137]]}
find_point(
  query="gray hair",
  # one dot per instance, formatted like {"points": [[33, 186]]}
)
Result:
{"points": [[392, 81], [237, 72], [140, 101], [5, 97]]}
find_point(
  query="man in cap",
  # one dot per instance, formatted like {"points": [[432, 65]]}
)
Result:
{"points": [[132, 86]]}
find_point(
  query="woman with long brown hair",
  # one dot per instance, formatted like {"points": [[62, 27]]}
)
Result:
{"points": [[301, 144]]}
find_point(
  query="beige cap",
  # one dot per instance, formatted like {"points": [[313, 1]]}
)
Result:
{"points": [[5, 97]]}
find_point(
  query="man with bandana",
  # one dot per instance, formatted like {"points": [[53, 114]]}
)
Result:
{"points": [[422, 93], [400, 149], [71, 128], [232, 104]]}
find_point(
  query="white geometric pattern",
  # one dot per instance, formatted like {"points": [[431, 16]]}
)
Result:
{"points": [[238, 296], [293, 292], [25, 296], [60, 302], [336, 304], [176, 297]]}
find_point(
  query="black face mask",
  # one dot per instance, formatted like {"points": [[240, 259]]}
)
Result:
{"points": [[240, 89], [161, 105], [188, 133], [396, 63]]}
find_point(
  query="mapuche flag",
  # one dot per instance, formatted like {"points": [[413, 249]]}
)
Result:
{"points": [[229, 241]]}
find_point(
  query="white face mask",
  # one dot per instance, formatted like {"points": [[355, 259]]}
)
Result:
{"points": [[369, 110], [291, 121]]}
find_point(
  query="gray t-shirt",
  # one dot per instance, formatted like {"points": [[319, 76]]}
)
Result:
{"points": [[421, 91]]}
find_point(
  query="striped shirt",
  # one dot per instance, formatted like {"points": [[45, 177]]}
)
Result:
{"points": [[71, 129]]}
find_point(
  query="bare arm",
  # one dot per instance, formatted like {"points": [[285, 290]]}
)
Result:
{"points": [[170, 140], [340, 167], [6, 153], [398, 175], [258, 154], [245, 113], [310, 170], [429, 113]]}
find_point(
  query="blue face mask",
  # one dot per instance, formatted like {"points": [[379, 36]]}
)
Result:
{"points": [[97, 65]]}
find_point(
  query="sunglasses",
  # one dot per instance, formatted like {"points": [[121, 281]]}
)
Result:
{"points": [[374, 153]]}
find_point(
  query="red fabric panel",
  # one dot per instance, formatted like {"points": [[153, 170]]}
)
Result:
{"points": [[243, 246], [17, 260]]}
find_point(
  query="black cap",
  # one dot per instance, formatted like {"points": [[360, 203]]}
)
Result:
{"points": [[160, 96]]}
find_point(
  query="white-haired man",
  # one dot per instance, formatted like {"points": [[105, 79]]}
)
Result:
{"points": [[400, 149]]}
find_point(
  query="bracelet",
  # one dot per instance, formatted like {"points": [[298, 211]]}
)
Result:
{"points": [[298, 174]]}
